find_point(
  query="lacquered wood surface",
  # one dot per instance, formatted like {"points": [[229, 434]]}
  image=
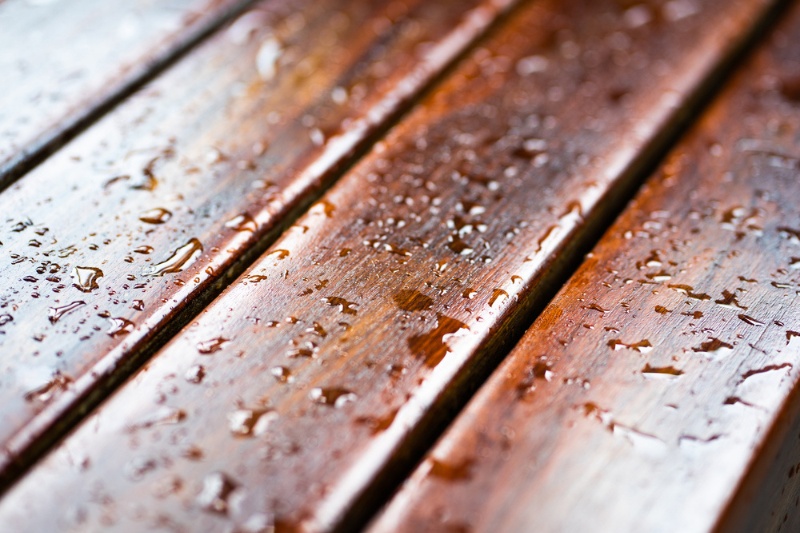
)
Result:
{"points": [[658, 391], [63, 62], [108, 240], [301, 393]]}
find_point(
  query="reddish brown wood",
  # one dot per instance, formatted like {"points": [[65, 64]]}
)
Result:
{"points": [[108, 240], [63, 63], [294, 396], [667, 369]]}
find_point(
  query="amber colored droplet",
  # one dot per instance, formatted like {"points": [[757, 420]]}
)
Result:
{"points": [[432, 346], [411, 300], [159, 215], [212, 345], [163, 416], [461, 471], [250, 422], [660, 309], [377, 424], [498, 296], [688, 290], [59, 382], [217, 488], [642, 346], [282, 254], [713, 345], [55, 313], [661, 371], [750, 320], [179, 258], [344, 306], [86, 278], [120, 326], [333, 396], [243, 222], [327, 208]]}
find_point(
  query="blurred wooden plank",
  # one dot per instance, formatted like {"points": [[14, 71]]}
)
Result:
{"points": [[302, 393], [668, 367], [66, 62], [107, 241]]}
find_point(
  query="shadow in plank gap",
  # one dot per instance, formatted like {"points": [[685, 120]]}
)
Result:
{"points": [[301, 396], [65, 63], [659, 390], [109, 239]]}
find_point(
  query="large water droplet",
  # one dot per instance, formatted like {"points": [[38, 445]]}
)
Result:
{"points": [[86, 278], [212, 345], [180, 258], [55, 313], [335, 396], [159, 215], [217, 488]]}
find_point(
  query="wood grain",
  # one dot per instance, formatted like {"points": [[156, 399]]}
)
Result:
{"points": [[65, 63], [658, 391], [304, 391], [150, 209]]}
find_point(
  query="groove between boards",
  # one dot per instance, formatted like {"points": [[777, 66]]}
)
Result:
{"points": [[33, 154]]}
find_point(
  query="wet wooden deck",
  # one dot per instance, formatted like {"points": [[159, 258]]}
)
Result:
{"points": [[485, 265]]}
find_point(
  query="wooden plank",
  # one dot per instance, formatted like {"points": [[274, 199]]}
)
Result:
{"points": [[658, 391], [304, 391], [65, 63], [150, 210]]}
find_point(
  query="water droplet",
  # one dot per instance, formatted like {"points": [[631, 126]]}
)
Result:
{"points": [[281, 373], [642, 346], [689, 291], [86, 278], [661, 372], [469, 293], [344, 306], [179, 259], [410, 300], [195, 374], [498, 296], [119, 326], [335, 396], [217, 488], [212, 345], [377, 424], [267, 58], [714, 346], [162, 416], [595, 307], [790, 334], [461, 471], [144, 249], [764, 369], [749, 320], [660, 309], [250, 422], [44, 393], [159, 215], [282, 254], [432, 346], [243, 222], [532, 64], [5, 319], [729, 300], [55, 313]]}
